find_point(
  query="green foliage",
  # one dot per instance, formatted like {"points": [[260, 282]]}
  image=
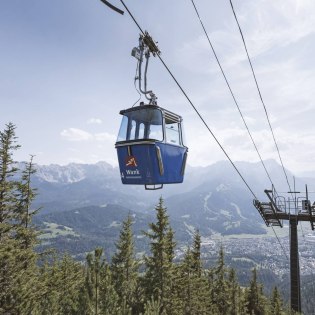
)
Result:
{"points": [[255, 300], [97, 295], [43, 285], [220, 286], [18, 270], [8, 186], [49, 289], [233, 294], [159, 266], [276, 303], [196, 254], [194, 289], [124, 266], [153, 307]]}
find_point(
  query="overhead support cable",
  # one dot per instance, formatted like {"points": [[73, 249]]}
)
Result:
{"points": [[191, 103], [239, 110], [260, 95], [261, 98], [282, 247], [193, 106], [113, 7], [230, 89]]}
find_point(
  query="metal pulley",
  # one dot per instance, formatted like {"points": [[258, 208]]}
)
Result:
{"points": [[146, 47]]}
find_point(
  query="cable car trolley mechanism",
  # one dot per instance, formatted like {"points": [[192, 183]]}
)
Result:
{"points": [[150, 146]]}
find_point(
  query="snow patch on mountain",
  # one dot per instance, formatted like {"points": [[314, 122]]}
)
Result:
{"points": [[71, 173], [212, 219], [190, 229], [115, 224], [230, 225], [238, 210], [205, 204], [186, 216], [222, 187], [225, 213]]}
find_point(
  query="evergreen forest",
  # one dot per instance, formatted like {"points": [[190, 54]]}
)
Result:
{"points": [[42, 283]]}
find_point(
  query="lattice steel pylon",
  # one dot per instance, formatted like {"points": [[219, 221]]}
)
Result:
{"points": [[294, 209]]}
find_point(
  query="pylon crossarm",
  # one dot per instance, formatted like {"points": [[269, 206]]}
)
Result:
{"points": [[258, 205], [274, 208], [312, 215], [310, 208], [281, 208]]}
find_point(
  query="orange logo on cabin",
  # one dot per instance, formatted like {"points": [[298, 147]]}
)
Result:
{"points": [[131, 161]]}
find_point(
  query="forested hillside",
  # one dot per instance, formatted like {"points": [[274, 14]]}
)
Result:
{"points": [[34, 282]]}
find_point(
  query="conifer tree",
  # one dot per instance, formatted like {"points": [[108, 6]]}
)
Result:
{"points": [[8, 186], [256, 302], [26, 195], [17, 240], [97, 295], [124, 267], [152, 307], [93, 273], [139, 295], [194, 289], [25, 236], [159, 273], [70, 278], [108, 298], [220, 287], [241, 305], [196, 253], [234, 290], [84, 306], [187, 282], [276, 303], [50, 296]]}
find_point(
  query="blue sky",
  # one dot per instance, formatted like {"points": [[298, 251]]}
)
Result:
{"points": [[66, 71]]}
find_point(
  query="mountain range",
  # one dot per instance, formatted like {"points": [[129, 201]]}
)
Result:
{"points": [[83, 205]]}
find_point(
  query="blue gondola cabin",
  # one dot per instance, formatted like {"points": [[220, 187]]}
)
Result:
{"points": [[150, 147]]}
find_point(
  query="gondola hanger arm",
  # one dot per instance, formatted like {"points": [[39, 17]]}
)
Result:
{"points": [[113, 7]]}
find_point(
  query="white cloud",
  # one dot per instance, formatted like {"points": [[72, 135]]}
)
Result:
{"points": [[250, 120], [280, 39], [74, 134], [105, 136], [75, 160], [266, 25], [95, 121]]}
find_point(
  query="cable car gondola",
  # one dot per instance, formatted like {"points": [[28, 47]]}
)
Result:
{"points": [[150, 146]]}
